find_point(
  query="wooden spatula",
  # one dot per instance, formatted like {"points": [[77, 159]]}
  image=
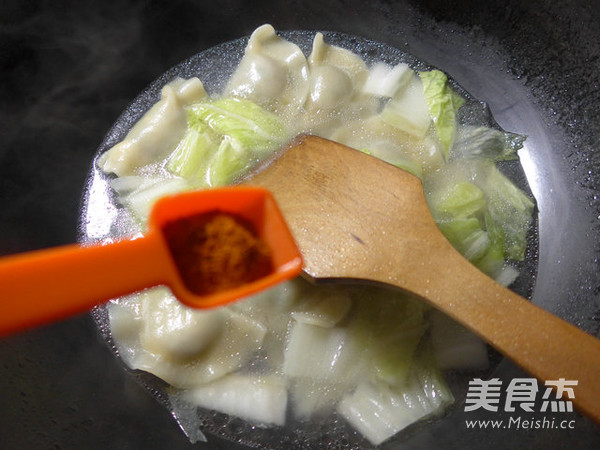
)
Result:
{"points": [[356, 217]]}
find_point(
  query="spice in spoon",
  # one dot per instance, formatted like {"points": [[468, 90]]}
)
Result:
{"points": [[216, 251]]}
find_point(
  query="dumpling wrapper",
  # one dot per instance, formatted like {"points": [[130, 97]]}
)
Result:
{"points": [[157, 133], [336, 95], [336, 74], [273, 73], [163, 337]]}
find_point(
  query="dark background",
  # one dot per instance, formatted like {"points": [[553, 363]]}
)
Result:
{"points": [[68, 69]]}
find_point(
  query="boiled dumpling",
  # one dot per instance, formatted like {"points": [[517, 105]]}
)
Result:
{"points": [[337, 76], [184, 347], [188, 91], [272, 73], [176, 331], [157, 133]]}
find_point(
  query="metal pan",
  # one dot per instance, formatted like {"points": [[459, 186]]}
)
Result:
{"points": [[70, 71]]}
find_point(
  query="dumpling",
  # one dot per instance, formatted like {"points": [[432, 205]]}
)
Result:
{"points": [[272, 73], [188, 91], [158, 132], [183, 347], [175, 331], [337, 76]]}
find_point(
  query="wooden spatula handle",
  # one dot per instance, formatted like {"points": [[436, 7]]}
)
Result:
{"points": [[542, 344]]}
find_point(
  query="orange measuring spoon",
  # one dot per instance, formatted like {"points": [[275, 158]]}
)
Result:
{"points": [[46, 285]]}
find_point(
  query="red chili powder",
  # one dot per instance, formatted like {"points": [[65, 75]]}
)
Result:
{"points": [[215, 251]]}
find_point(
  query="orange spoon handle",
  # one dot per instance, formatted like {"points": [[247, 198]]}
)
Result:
{"points": [[46, 285]]}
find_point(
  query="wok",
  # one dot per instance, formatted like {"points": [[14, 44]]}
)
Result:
{"points": [[68, 70]]}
